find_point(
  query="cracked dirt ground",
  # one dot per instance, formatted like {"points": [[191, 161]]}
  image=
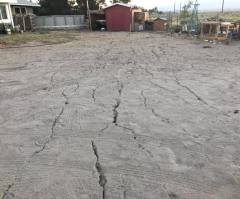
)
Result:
{"points": [[113, 115]]}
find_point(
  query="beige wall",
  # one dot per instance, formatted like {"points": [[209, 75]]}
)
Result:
{"points": [[133, 11], [159, 25]]}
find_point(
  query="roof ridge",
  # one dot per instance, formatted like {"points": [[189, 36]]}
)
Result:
{"points": [[121, 4]]}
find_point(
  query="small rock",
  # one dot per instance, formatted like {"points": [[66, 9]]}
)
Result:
{"points": [[236, 112], [172, 195], [207, 46]]}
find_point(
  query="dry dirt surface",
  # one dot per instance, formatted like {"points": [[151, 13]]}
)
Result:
{"points": [[120, 116]]}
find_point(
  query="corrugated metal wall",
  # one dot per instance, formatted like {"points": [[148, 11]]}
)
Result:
{"points": [[59, 21], [118, 18]]}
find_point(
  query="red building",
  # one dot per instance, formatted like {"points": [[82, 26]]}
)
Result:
{"points": [[120, 17]]}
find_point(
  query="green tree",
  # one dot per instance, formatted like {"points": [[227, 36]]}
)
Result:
{"points": [[54, 7], [185, 13], [93, 5], [155, 10]]}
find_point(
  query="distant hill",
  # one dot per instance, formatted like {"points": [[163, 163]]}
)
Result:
{"points": [[231, 16]]}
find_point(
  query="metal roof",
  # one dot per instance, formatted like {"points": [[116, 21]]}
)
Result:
{"points": [[120, 4], [8, 1], [25, 3], [160, 18]]}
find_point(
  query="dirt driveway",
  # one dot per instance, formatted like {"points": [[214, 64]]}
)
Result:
{"points": [[113, 115]]}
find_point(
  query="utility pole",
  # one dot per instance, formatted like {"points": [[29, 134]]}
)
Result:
{"points": [[89, 16], [180, 12], [174, 7], [1, 17], [223, 2]]}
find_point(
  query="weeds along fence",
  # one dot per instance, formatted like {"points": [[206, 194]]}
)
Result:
{"points": [[59, 22]]}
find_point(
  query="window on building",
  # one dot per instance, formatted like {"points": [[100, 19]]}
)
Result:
{"points": [[20, 10], [23, 11], [3, 12], [17, 10]]}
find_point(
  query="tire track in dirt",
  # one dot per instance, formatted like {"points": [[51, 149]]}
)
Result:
{"points": [[7, 193]]}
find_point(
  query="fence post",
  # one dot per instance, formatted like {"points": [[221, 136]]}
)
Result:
{"points": [[65, 21], [43, 21], [24, 24], [54, 20], [74, 20]]}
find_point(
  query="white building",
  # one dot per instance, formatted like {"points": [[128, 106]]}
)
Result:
{"points": [[5, 11], [8, 8]]}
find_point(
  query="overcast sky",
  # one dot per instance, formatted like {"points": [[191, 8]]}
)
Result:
{"points": [[204, 4]]}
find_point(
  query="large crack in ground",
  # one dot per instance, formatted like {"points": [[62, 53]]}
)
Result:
{"points": [[102, 178], [66, 97], [144, 99], [103, 129], [193, 93], [145, 102], [48, 140], [7, 194], [118, 103], [55, 121], [153, 111], [120, 90], [169, 91], [115, 111], [190, 91], [128, 129], [164, 119], [94, 94], [52, 81]]}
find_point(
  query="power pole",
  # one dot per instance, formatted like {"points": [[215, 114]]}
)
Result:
{"points": [[174, 7], [89, 16], [223, 2], [180, 12], [194, 18], [1, 15]]}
